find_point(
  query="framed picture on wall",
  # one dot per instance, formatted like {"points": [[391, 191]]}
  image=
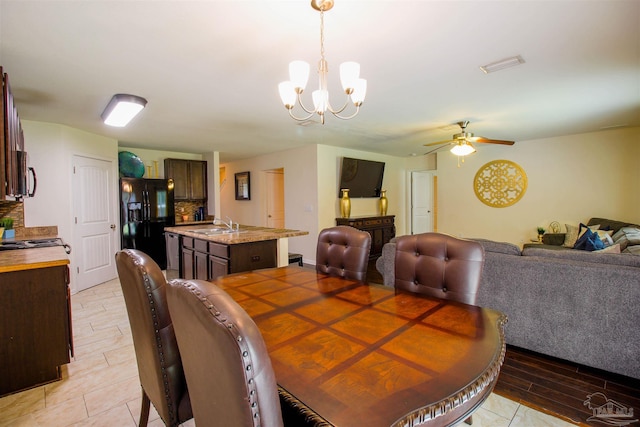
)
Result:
{"points": [[243, 183]]}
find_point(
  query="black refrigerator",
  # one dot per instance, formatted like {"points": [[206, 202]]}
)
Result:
{"points": [[146, 208]]}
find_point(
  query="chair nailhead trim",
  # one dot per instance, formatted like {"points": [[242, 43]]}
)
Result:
{"points": [[243, 347], [163, 368]]}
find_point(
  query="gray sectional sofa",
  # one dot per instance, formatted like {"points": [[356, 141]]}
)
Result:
{"points": [[575, 305]]}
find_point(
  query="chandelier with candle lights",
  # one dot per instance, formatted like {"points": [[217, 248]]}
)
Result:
{"points": [[354, 87]]}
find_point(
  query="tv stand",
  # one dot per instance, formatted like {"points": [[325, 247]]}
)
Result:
{"points": [[381, 228]]}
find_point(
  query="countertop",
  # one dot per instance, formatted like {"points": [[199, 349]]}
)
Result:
{"points": [[192, 222], [29, 259], [248, 233]]}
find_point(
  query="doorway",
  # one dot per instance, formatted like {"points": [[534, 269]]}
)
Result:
{"points": [[275, 198], [95, 231], [423, 202]]}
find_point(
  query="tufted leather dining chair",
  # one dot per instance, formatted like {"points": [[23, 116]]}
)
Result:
{"points": [[226, 363], [343, 251], [159, 364], [439, 265]]}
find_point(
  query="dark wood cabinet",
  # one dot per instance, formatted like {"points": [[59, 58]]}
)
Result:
{"points": [[252, 256], [189, 178], [173, 250], [186, 270], [201, 265], [218, 267], [206, 260], [381, 228], [35, 337], [11, 143]]}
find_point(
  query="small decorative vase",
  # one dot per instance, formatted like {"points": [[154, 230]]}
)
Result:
{"points": [[540, 238], [345, 204], [383, 202]]}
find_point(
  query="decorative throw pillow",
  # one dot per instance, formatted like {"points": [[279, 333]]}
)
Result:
{"points": [[605, 236], [613, 249], [627, 236], [588, 241], [574, 231]]}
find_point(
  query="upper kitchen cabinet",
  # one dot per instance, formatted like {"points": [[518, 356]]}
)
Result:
{"points": [[12, 155], [189, 178]]}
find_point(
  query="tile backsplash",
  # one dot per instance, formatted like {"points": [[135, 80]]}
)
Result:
{"points": [[13, 210], [188, 208]]}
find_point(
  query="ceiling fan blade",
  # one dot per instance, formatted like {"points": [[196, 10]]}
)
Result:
{"points": [[449, 141], [437, 148], [483, 140]]}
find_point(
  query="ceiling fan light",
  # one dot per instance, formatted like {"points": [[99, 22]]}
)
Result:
{"points": [[122, 109], [463, 149], [299, 74], [349, 75]]}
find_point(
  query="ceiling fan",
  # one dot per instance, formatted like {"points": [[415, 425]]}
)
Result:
{"points": [[462, 141]]}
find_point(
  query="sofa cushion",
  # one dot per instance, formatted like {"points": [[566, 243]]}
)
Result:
{"points": [[609, 224], [613, 249], [498, 247], [624, 259], [633, 250], [627, 236]]}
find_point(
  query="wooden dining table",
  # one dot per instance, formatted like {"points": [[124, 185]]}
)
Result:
{"points": [[348, 353]]}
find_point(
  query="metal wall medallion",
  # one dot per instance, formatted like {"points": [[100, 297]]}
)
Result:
{"points": [[500, 183]]}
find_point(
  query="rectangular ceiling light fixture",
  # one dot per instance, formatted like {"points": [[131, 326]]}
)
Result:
{"points": [[122, 108], [501, 65]]}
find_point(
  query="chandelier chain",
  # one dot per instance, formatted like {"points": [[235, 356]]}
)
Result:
{"points": [[322, 34]]}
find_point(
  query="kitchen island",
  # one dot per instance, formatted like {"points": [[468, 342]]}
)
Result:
{"points": [[35, 314], [208, 251]]}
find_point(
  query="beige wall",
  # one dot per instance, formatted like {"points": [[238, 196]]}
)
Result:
{"points": [[300, 193], [570, 179], [311, 190], [51, 148], [329, 160]]}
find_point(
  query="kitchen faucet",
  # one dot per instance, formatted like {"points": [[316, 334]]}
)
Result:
{"points": [[229, 224]]}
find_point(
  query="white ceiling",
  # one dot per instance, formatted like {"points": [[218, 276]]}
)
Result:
{"points": [[210, 69]]}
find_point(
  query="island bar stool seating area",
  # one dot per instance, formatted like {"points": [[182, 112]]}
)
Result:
{"points": [[343, 251], [159, 365], [439, 265], [225, 358]]}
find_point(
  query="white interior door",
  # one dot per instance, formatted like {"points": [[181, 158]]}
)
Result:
{"points": [[95, 233], [422, 208], [275, 198]]}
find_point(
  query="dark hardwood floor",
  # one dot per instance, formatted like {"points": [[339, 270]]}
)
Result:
{"points": [[560, 388], [555, 386]]}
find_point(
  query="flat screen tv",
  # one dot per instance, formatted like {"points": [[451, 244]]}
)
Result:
{"points": [[363, 178]]}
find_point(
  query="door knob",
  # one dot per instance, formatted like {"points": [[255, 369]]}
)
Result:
{"points": [[113, 226]]}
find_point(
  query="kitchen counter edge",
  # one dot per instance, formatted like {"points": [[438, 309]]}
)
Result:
{"points": [[248, 234], [31, 259]]}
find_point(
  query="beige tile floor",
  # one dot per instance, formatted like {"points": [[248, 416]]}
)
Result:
{"points": [[100, 386]]}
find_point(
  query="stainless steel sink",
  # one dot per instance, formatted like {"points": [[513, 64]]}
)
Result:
{"points": [[219, 230]]}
